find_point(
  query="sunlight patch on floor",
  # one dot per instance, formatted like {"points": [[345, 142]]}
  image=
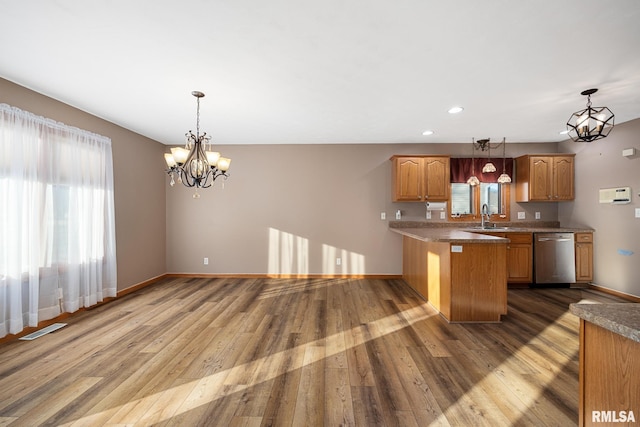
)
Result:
{"points": [[213, 387], [527, 397]]}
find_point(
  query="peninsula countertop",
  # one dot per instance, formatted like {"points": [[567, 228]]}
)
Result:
{"points": [[620, 318], [450, 235]]}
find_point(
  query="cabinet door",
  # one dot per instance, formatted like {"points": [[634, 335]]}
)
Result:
{"points": [[408, 178], [519, 263], [437, 178], [584, 257], [540, 182], [563, 178], [520, 258]]}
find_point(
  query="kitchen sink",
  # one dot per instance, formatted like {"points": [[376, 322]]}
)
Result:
{"points": [[490, 228]]}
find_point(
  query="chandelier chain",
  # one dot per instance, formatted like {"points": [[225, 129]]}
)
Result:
{"points": [[198, 119]]}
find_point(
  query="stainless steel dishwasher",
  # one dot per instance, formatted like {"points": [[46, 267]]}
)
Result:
{"points": [[554, 258]]}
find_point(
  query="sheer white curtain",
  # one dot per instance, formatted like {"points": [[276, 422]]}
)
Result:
{"points": [[57, 226]]}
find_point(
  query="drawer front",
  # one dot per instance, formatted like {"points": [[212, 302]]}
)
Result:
{"points": [[584, 237], [520, 237]]}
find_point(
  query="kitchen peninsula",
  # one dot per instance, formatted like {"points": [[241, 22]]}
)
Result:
{"points": [[462, 270], [461, 274], [609, 362]]}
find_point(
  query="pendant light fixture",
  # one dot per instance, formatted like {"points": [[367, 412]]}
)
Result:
{"points": [[592, 123], [473, 179], [193, 165], [504, 178], [488, 167]]}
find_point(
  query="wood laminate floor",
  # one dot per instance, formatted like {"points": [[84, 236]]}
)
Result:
{"points": [[299, 352]]}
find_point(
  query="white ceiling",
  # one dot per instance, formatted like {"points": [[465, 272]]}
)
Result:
{"points": [[329, 71]]}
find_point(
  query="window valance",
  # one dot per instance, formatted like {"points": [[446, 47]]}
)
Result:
{"points": [[461, 169]]}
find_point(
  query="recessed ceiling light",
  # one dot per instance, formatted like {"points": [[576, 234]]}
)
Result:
{"points": [[455, 110], [427, 132]]}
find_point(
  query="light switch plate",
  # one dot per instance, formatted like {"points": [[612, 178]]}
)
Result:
{"points": [[443, 215], [521, 215], [383, 216], [637, 212]]}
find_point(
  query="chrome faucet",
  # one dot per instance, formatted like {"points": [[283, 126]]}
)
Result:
{"points": [[485, 214]]}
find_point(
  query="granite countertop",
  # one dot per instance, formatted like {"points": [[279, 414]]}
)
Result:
{"points": [[450, 235], [461, 232], [621, 318], [512, 227]]}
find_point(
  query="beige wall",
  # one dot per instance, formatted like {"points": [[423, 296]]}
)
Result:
{"points": [[600, 164], [293, 209], [139, 187]]}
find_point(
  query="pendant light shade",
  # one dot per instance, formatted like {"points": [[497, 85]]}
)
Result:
{"points": [[504, 178], [473, 179], [489, 167]]}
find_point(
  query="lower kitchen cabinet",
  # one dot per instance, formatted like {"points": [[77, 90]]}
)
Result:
{"points": [[609, 364], [584, 257], [464, 282], [519, 256]]}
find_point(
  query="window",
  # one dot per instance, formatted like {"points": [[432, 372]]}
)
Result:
{"points": [[466, 201], [462, 199], [56, 219]]}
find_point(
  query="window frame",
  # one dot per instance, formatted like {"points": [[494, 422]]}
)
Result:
{"points": [[474, 216]]}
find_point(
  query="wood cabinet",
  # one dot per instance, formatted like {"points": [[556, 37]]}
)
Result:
{"points": [[608, 376], [545, 178], [584, 257], [420, 178], [464, 282], [519, 256]]}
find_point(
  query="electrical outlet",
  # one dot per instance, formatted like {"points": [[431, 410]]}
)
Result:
{"points": [[428, 214], [338, 261], [443, 215], [537, 215], [206, 261], [521, 215], [637, 212], [383, 215]]}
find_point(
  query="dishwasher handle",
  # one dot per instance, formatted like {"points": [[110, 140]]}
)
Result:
{"points": [[554, 239]]}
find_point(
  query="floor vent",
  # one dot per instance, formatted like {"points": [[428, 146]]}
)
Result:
{"points": [[43, 331]]}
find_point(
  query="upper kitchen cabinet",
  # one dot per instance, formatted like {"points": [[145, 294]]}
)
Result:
{"points": [[545, 178], [420, 178]]}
